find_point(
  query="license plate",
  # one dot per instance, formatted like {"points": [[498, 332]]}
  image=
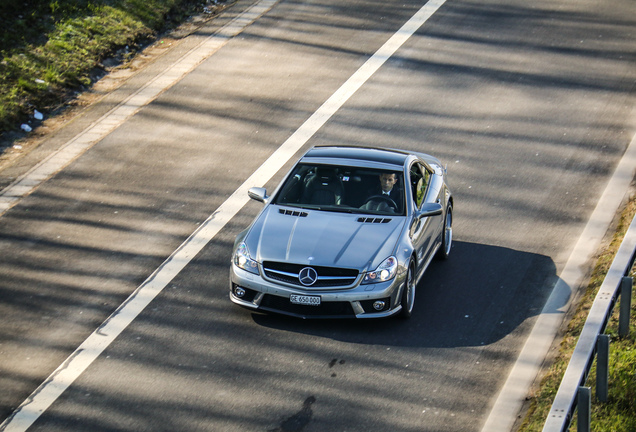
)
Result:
{"points": [[305, 300]]}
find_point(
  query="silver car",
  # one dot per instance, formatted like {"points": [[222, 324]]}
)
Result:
{"points": [[348, 233]]}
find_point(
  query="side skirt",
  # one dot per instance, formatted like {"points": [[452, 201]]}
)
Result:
{"points": [[421, 271]]}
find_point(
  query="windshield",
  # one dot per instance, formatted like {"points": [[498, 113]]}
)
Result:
{"points": [[344, 189]]}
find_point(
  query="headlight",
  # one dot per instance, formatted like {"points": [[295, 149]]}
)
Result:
{"points": [[243, 260], [384, 272]]}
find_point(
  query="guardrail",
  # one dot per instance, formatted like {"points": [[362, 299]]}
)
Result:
{"points": [[572, 393]]}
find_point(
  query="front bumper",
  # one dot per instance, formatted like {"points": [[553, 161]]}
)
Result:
{"points": [[351, 302]]}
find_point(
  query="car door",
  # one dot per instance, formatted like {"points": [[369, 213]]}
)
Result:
{"points": [[424, 189]]}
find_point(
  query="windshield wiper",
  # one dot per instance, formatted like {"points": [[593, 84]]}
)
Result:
{"points": [[342, 209]]}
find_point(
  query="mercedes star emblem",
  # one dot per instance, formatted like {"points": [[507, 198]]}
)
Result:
{"points": [[307, 276]]}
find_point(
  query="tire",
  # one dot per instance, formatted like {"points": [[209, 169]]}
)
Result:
{"points": [[408, 293], [447, 235]]}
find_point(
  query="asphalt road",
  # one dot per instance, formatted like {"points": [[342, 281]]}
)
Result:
{"points": [[529, 104]]}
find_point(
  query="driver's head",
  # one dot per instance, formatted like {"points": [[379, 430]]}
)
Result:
{"points": [[387, 181]]}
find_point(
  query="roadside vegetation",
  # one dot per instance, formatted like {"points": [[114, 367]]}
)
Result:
{"points": [[619, 413], [51, 49]]}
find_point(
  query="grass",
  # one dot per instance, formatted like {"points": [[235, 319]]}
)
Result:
{"points": [[55, 47], [618, 414]]}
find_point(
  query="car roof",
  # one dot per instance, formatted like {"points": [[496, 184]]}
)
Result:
{"points": [[361, 154]]}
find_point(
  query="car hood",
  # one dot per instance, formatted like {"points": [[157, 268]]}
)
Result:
{"points": [[322, 238]]}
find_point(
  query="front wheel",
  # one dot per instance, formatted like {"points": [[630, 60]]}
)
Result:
{"points": [[408, 293], [447, 235]]}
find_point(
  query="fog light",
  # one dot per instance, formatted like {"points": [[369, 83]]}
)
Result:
{"points": [[239, 292], [378, 305]]}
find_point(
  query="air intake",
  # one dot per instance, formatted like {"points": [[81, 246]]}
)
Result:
{"points": [[374, 220], [292, 213]]}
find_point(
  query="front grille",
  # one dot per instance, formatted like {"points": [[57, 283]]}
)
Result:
{"points": [[327, 276], [326, 309]]}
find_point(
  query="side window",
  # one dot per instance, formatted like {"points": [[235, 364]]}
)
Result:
{"points": [[419, 182]]}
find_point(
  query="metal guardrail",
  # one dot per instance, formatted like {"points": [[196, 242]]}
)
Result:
{"points": [[568, 395]]}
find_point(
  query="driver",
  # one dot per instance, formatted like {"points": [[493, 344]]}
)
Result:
{"points": [[387, 181], [386, 188]]}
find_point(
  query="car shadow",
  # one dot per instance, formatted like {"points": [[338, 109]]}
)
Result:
{"points": [[478, 296]]}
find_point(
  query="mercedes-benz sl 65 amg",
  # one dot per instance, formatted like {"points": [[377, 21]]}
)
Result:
{"points": [[348, 233]]}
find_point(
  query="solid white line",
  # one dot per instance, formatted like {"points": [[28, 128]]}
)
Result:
{"points": [[99, 340], [510, 399], [110, 121]]}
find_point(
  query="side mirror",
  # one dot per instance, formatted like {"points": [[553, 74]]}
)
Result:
{"points": [[258, 194], [429, 209]]}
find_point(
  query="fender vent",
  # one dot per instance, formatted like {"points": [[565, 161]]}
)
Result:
{"points": [[292, 213], [374, 220]]}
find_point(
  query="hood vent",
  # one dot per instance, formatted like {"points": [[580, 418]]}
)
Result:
{"points": [[374, 220], [292, 213]]}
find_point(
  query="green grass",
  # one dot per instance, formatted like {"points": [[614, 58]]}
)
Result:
{"points": [[619, 413], [54, 46]]}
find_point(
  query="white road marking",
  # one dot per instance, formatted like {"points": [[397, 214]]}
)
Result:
{"points": [[40, 400], [110, 121], [511, 397]]}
